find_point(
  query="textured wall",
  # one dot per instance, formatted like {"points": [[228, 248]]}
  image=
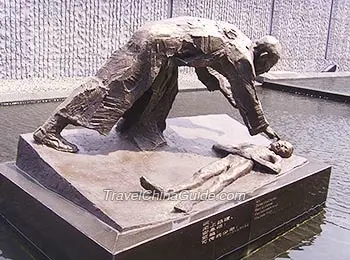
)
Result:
{"points": [[54, 38], [48, 38], [302, 27]]}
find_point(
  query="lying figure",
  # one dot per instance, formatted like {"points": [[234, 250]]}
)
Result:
{"points": [[237, 162]]}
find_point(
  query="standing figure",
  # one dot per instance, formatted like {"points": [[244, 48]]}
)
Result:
{"points": [[238, 161], [137, 85]]}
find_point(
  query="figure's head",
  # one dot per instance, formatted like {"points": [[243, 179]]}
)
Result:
{"points": [[282, 148], [267, 52]]}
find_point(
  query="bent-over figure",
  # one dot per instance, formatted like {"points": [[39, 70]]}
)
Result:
{"points": [[238, 161], [137, 85]]}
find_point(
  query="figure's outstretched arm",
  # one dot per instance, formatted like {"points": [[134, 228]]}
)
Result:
{"points": [[214, 81], [243, 89], [241, 76], [225, 150]]}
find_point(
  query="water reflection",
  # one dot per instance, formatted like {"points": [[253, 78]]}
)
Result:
{"points": [[318, 128], [301, 236], [14, 247]]}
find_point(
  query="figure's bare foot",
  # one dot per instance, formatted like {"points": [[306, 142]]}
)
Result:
{"points": [[155, 189], [54, 140]]}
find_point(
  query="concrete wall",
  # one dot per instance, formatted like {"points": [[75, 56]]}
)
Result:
{"points": [[52, 38]]}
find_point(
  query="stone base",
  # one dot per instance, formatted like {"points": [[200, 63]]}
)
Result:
{"points": [[72, 220]]}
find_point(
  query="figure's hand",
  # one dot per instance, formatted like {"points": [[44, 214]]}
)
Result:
{"points": [[271, 133]]}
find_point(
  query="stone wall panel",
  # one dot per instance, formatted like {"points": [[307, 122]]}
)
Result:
{"points": [[302, 27], [54, 38]]}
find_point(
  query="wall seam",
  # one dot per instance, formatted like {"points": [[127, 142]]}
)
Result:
{"points": [[329, 29], [272, 16], [170, 8]]}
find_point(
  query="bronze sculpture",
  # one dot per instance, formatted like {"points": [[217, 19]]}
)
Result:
{"points": [[237, 162], [136, 87]]}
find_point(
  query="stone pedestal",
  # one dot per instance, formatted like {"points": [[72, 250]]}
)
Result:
{"points": [[90, 205]]}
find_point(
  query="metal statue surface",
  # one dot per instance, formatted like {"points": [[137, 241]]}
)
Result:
{"points": [[137, 85]]}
